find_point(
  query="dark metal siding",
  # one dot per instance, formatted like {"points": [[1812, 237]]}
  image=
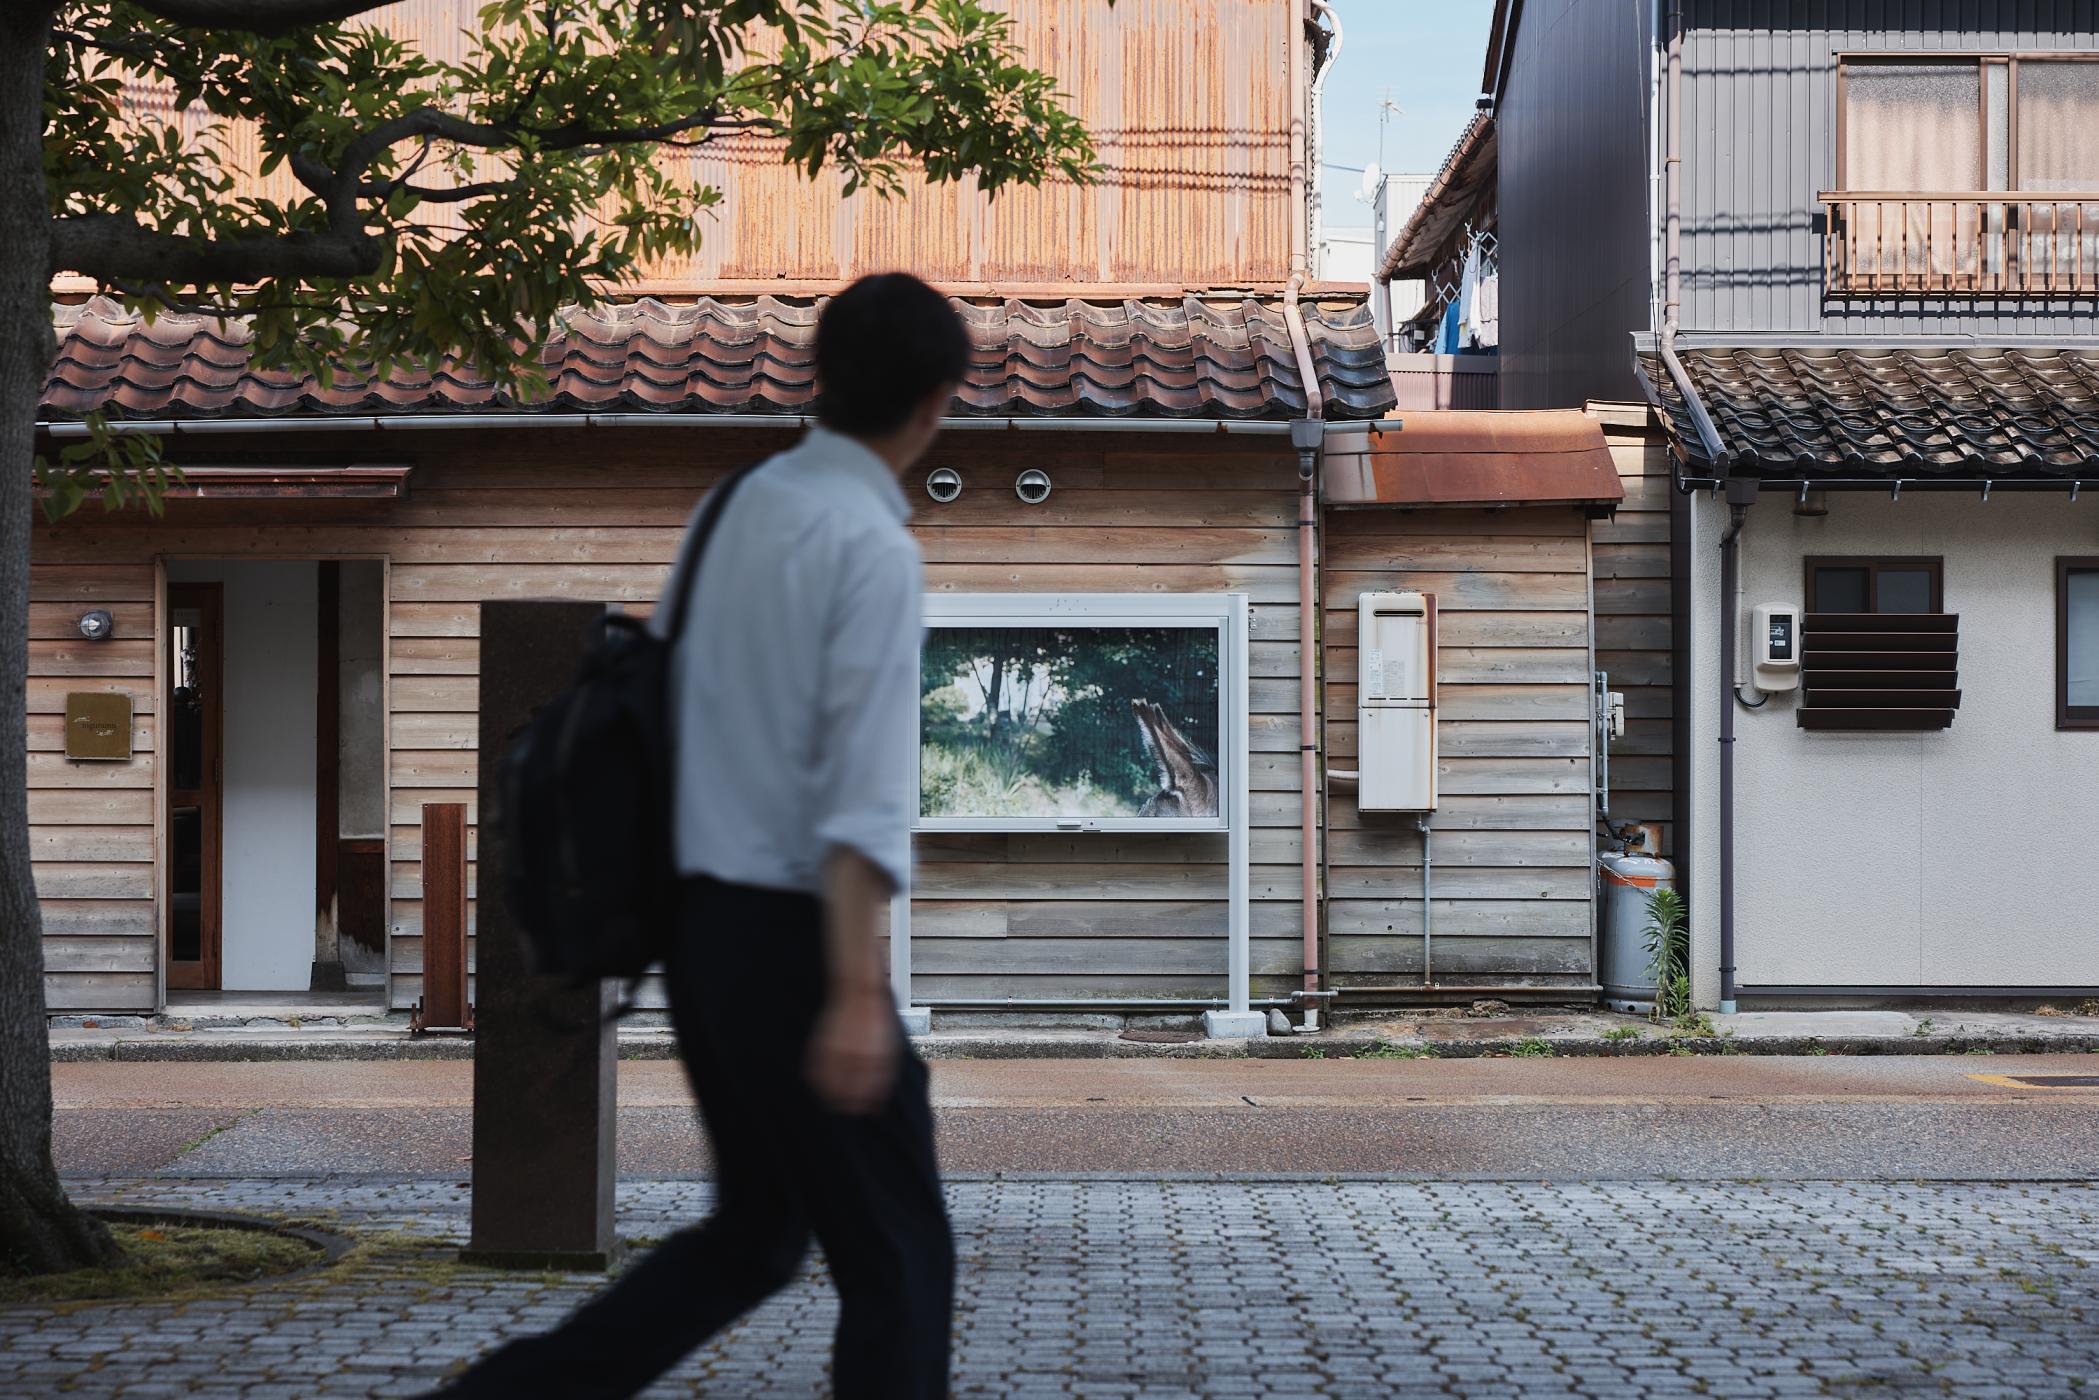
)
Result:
{"points": [[1760, 144], [1573, 131]]}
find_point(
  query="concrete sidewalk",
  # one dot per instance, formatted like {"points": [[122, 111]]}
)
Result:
{"points": [[1488, 1028]]}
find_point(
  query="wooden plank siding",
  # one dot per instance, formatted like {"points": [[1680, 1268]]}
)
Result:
{"points": [[91, 824], [1512, 888], [1633, 641], [597, 514]]}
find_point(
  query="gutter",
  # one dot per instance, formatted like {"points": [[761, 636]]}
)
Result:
{"points": [[425, 422], [1679, 515], [1312, 433], [1307, 436], [1318, 136]]}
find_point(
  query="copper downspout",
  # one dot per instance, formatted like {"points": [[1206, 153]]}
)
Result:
{"points": [[1308, 642], [1307, 542]]}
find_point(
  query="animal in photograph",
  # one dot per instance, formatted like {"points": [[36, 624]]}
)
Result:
{"points": [[1187, 775], [1069, 721]]}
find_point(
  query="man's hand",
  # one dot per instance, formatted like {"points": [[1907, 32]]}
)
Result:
{"points": [[853, 1050]]}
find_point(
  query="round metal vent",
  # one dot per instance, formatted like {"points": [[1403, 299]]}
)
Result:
{"points": [[943, 484], [1033, 486]]}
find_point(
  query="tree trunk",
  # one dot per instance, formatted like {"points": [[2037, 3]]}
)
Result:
{"points": [[40, 1230]]}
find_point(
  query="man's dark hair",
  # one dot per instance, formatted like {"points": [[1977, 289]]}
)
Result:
{"points": [[882, 345]]}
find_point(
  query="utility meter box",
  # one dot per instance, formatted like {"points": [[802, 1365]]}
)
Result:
{"points": [[1774, 654], [1396, 702]]}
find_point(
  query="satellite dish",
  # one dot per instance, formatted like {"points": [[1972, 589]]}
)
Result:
{"points": [[1372, 178]]}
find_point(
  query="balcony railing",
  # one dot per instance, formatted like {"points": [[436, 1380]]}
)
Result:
{"points": [[1976, 243]]}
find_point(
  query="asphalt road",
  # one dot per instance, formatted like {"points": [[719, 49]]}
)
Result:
{"points": [[1712, 1118]]}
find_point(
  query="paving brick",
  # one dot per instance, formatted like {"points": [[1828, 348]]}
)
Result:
{"points": [[1213, 1290]]}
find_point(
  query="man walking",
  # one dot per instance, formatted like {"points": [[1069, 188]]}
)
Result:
{"points": [[796, 701]]}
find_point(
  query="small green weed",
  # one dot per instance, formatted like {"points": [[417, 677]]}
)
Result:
{"points": [[1386, 1050], [1679, 1049], [1313, 1052], [1818, 1050], [1532, 1049], [1978, 1050], [1923, 1027], [1619, 1034], [1692, 1023]]}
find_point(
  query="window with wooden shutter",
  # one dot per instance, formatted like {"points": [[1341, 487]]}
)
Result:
{"points": [[1878, 652]]}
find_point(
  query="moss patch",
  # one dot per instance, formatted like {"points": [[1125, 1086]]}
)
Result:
{"points": [[163, 1260]]}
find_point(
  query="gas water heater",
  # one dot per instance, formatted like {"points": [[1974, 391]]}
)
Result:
{"points": [[1396, 702]]}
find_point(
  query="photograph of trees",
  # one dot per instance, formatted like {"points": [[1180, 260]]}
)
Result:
{"points": [[1062, 721]]}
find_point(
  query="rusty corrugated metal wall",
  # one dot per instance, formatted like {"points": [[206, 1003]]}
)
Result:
{"points": [[1188, 101]]}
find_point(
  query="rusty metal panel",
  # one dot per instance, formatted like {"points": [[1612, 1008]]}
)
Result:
{"points": [[1474, 459], [1188, 101]]}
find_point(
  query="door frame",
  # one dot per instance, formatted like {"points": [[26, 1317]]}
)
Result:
{"points": [[233, 554], [211, 797]]}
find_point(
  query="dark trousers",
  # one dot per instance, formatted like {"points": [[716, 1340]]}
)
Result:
{"points": [[746, 984]]}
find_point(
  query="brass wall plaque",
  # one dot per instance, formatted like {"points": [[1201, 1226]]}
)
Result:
{"points": [[98, 724]]}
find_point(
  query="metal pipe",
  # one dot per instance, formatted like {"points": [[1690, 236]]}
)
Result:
{"points": [[1672, 185], [1308, 445], [1448, 989], [1307, 720], [1428, 909], [1092, 1004], [1294, 45], [1318, 141], [423, 422], [1738, 503]]}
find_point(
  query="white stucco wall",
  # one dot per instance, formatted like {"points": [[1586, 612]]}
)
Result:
{"points": [[1960, 858], [270, 678]]}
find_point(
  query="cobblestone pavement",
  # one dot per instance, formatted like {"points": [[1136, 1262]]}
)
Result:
{"points": [[1215, 1288]]}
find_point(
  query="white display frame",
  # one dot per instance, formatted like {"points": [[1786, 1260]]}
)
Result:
{"points": [[1184, 612], [1229, 613]]}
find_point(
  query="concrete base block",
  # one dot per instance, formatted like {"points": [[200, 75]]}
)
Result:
{"points": [[918, 1020], [1234, 1025]]}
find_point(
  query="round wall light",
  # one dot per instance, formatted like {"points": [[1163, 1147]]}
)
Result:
{"points": [[943, 484], [97, 625], [1033, 486]]}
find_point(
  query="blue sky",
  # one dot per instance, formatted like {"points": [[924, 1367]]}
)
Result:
{"points": [[1428, 53]]}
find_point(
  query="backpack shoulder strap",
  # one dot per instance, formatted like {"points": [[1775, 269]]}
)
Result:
{"points": [[686, 575]]}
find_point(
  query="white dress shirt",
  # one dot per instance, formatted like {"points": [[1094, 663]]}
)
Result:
{"points": [[795, 690]]}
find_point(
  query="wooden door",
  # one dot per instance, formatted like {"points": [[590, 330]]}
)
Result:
{"points": [[192, 711]]}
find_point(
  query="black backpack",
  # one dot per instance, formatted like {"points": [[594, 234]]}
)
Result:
{"points": [[588, 790]]}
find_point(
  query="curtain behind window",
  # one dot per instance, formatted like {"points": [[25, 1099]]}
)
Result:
{"points": [[1915, 126], [2059, 151]]}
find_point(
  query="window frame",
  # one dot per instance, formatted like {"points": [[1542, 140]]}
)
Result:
{"points": [[1873, 564], [2068, 716], [1982, 59]]}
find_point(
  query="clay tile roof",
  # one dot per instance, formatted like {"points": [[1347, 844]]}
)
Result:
{"points": [[1196, 357], [1887, 412], [1468, 173]]}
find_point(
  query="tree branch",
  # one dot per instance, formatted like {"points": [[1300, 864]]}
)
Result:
{"points": [[266, 17], [456, 194], [161, 297], [117, 248]]}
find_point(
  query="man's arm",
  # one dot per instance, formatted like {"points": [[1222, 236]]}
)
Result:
{"points": [[852, 1055], [866, 754]]}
